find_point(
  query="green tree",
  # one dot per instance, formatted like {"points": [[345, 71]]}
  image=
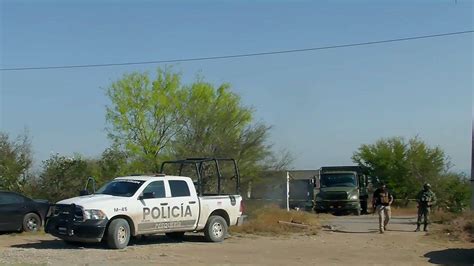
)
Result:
{"points": [[62, 177], [145, 115], [403, 165], [453, 191], [217, 124], [15, 161], [111, 164], [163, 119]]}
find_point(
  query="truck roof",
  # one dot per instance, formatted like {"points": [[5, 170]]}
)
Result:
{"points": [[349, 168], [148, 177], [337, 171]]}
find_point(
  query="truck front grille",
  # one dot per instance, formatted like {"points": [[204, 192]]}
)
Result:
{"points": [[336, 195], [69, 212]]}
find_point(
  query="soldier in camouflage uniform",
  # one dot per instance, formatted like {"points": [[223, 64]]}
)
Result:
{"points": [[426, 198]]}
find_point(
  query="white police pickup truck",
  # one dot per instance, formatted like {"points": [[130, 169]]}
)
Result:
{"points": [[143, 205]]}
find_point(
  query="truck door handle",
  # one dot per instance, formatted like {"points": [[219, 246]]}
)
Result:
{"points": [[192, 202], [163, 204]]}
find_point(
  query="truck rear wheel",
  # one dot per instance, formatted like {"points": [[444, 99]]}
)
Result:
{"points": [[216, 229], [118, 234]]}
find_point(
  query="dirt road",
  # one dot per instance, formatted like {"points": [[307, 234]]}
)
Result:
{"points": [[347, 240]]}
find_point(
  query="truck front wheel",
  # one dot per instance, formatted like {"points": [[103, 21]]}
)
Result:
{"points": [[216, 229], [118, 234], [363, 205], [357, 212]]}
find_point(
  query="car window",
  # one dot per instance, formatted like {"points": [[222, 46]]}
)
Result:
{"points": [[10, 198], [157, 187], [179, 188]]}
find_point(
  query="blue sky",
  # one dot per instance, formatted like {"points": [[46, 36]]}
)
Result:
{"points": [[322, 105]]}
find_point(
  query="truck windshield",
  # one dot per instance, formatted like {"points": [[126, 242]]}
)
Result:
{"points": [[338, 180], [121, 188]]}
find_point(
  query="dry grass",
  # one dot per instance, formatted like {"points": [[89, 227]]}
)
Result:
{"points": [[442, 217], [264, 221], [456, 227], [41, 232], [452, 226], [438, 216]]}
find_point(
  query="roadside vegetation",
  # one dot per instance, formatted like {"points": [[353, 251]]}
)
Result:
{"points": [[405, 165], [454, 226], [150, 118], [155, 117], [448, 225], [272, 220]]}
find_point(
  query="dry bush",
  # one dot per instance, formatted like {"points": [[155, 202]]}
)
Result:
{"points": [[254, 207], [443, 217], [264, 221], [460, 227], [437, 216]]}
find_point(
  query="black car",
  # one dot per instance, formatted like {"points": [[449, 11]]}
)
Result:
{"points": [[20, 213]]}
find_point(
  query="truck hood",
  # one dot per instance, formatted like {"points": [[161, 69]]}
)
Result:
{"points": [[349, 190], [94, 201]]}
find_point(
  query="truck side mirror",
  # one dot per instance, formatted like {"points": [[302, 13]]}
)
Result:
{"points": [[85, 191]]}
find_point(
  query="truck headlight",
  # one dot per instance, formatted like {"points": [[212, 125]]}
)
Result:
{"points": [[354, 197], [94, 215]]}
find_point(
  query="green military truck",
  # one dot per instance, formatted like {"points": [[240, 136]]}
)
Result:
{"points": [[341, 189]]}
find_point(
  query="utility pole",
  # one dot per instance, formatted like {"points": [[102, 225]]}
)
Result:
{"points": [[287, 191], [472, 167]]}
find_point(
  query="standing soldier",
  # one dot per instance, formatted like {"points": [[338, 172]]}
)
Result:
{"points": [[381, 202], [426, 198]]}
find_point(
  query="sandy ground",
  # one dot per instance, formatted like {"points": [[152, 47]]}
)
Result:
{"points": [[347, 240]]}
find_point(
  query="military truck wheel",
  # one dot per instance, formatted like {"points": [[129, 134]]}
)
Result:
{"points": [[31, 222], [118, 234], [216, 229], [363, 205]]}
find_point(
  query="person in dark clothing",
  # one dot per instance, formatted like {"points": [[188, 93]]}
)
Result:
{"points": [[381, 202]]}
